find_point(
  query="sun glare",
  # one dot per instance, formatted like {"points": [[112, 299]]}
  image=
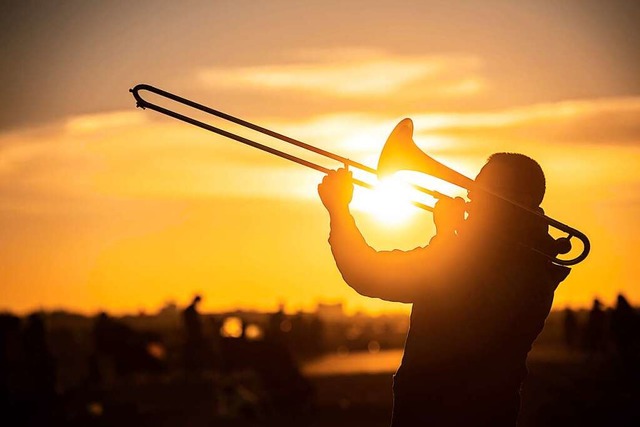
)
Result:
{"points": [[389, 202]]}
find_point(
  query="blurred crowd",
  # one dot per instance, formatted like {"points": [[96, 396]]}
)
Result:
{"points": [[65, 369], [606, 333]]}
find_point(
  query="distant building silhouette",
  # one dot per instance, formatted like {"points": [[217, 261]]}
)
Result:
{"points": [[330, 312], [119, 350]]}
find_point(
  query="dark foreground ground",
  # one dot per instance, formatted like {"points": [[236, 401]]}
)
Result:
{"points": [[556, 394], [577, 392]]}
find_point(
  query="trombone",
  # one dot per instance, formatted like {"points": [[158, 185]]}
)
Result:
{"points": [[399, 153]]}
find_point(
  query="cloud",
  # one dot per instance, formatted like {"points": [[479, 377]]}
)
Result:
{"points": [[606, 120], [355, 73], [104, 121], [612, 121], [124, 154]]}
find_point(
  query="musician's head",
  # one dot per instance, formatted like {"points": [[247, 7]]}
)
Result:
{"points": [[511, 175]]}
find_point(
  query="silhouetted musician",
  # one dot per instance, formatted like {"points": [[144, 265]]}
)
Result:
{"points": [[480, 297]]}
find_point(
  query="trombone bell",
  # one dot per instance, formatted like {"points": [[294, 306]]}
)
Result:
{"points": [[400, 152]]}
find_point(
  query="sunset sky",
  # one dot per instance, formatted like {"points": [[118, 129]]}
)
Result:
{"points": [[106, 207]]}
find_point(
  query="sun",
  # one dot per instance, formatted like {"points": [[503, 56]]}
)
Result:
{"points": [[389, 202]]}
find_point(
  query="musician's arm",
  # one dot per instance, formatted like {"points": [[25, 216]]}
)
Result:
{"points": [[397, 276]]}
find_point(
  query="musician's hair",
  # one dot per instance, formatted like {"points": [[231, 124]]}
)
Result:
{"points": [[526, 174]]}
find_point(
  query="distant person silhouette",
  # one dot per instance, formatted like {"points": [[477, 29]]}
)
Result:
{"points": [[625, 328], [274, 330], [571, 329], [480, 296], [596, 333], [40, 371], [11, 370], [194, 339]]}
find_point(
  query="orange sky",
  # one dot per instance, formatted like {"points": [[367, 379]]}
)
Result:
{"points": [[103, 206]]}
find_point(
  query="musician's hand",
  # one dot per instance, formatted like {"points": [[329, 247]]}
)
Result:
{"points": [[448, 215], [336, 190]]}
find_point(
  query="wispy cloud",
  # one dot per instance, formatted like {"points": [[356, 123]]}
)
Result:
{"points": [[122, 154], [556, 111], [606, 120], [104, 121], [356, 73]]}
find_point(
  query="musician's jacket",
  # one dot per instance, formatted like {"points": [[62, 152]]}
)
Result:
{"points": [[479, 300]]}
